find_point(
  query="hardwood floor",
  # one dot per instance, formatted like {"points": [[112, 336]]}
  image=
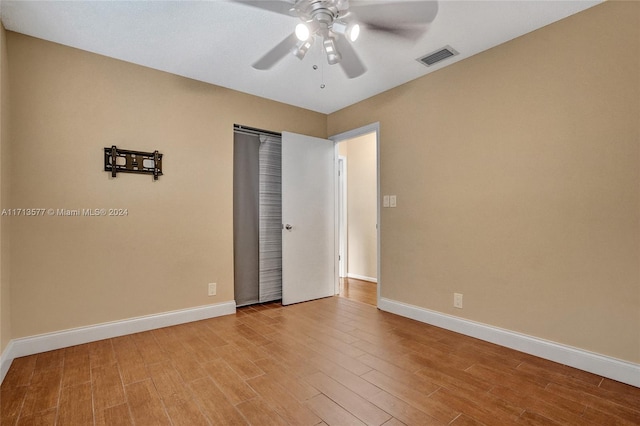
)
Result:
{"points": [[362, 291], [332, 361]]}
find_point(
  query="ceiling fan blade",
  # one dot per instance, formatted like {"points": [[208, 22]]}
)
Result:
{"points": [[283, 6], [412, 32], [393, 14], [350, 62], [277, 53]]}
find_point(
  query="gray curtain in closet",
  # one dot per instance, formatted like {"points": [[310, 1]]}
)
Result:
{"points": [[270, 194]]}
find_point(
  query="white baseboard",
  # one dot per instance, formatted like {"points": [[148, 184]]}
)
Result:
{"points": [[612, 368], [76, 336], [5, 360], [361, 277]]}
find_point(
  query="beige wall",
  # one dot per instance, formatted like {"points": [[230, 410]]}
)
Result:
{"points": [[67, 105], [518, 178], [5, 294], [361, 206]]}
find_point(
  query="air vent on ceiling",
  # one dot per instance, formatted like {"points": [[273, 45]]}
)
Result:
{"points": [[437, 56]]}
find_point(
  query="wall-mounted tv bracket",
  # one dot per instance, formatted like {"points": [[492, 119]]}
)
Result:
{"points": [[122, 160]]}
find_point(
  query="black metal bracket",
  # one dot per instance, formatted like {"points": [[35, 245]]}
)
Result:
{"points": [[122, 160]]}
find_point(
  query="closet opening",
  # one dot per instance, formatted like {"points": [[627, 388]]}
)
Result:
{"points": [[257, 215]]}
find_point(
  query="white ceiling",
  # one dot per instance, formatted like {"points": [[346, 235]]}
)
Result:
{"points": [[217, 41]]}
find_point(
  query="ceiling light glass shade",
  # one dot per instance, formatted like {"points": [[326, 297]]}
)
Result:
{"points": [[333, 56], [354, 32], [302, 32], [302, 48]]}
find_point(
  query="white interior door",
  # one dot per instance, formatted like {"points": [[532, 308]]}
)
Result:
{"points": [[308, 215]]}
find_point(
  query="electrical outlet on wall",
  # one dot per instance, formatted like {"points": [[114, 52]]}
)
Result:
{"points": [[212, 289], [457, 300]]}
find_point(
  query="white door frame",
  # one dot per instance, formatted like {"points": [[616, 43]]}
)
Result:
{"points": [[342, 215], [350, 134]]}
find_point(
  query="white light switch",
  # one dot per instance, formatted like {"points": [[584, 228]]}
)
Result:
{"points": [[392, 201], [457, 300], [385, 201]]}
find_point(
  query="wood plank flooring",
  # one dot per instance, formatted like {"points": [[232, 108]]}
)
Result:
{"points": [[362, 291], [333, 361]]}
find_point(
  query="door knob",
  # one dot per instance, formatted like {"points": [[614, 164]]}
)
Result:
{"points": [[288, 227]]}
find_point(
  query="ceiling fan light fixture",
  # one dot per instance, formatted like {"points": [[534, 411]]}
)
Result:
{"points": [[351, 31], [339, 27], [302, 48], [333, 56], [302, 32]]}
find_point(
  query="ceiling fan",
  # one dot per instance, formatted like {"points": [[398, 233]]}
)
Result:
{"points": [[335, 24]]}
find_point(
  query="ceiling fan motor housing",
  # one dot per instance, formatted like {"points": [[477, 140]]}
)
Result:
{"points": [[323, 17], [322, 12]]}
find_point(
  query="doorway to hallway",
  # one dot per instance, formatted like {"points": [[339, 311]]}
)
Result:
{"points": [[358, 211]]}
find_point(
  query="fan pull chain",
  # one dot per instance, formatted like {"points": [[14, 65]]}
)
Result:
{"points": [[315, 67]]}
